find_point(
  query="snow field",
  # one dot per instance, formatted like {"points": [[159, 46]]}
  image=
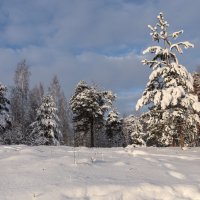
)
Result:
{"points": [[51, 173]]}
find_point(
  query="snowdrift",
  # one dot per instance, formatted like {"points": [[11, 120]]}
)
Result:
{"points": [[61, 173]]}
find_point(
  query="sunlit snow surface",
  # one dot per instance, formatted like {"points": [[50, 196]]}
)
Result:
{"points": [[49, 173]]}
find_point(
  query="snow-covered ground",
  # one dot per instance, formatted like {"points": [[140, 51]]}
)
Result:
{"points": [[49, 173]]}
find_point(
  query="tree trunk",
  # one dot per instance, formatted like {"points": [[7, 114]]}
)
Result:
{"points": [[173, 142], [180, 132], [181, 136], [181, 139], [92, 134], [197, 136]]}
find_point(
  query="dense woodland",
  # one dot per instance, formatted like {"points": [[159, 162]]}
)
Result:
{"points": [[43, 116]]}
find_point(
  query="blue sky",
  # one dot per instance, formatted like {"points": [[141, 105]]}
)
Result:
{"points": [[94, 40]]}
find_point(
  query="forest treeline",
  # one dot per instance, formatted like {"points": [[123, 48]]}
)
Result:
{"points": [[31, 116], [89, 118]]}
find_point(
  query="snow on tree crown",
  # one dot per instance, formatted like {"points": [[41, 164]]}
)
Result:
{"points": [[169, 83], [164, 55]]}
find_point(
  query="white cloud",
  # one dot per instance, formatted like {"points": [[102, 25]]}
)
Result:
{"points": [[75, 38]]}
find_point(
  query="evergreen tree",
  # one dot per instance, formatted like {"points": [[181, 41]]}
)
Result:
{"points": [[133, 131], [170, 92], [160, 129], [45, 128], [62, 109], [196, 77], [89, 105], [55, 92], [114, 129], [5, 121]]}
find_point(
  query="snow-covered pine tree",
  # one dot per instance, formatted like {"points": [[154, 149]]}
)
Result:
{"points": [[55, 92], [159, 128], [196, 77], [170, 92], [88, 106], [62, 106], [45, 128], [133, 131], [114, 129], [5, 121]]}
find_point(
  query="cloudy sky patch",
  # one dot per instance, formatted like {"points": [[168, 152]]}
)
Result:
{"points": [[98, 41]]}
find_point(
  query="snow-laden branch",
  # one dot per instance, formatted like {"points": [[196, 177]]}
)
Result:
{"points": [[178, 45], [176, 34], [153, 49]]}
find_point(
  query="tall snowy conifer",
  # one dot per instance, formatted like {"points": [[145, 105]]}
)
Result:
{"points": [[133, 131], [45, 128], [62, 109], [89, 105], [169, 92], [196, 77], [114, 129], [5, 120], [55, 92]]}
